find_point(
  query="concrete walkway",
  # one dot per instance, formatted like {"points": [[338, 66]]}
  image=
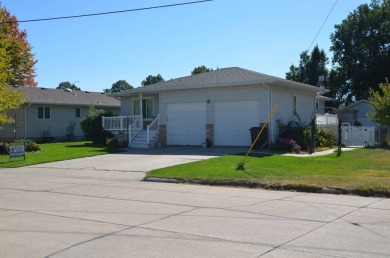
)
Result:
{"points": [[98, 207], [319, 153]]}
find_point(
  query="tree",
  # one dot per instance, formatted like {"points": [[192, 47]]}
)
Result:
{"points": [[152, 79], [201, 69], [17, 59], [119, 86], [380, 104], [67, 85], [310, 67], [92, 125], [9, 99], [361, 50]]}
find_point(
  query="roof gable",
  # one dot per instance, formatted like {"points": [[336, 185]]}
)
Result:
{"points": [[363, 101]]}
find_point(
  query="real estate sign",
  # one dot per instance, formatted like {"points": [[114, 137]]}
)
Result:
{"points": [[17, 151]]}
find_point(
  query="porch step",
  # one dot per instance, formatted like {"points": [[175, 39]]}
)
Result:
{"points": [[140, 141]]}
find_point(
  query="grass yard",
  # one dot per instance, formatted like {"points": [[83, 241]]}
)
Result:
{"points": [[361, 171], [55, 152]]}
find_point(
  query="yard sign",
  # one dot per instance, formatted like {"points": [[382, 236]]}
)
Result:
{"points": [[17, 151]]}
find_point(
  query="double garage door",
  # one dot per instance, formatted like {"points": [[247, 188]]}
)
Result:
{"points": [[186, 123]]}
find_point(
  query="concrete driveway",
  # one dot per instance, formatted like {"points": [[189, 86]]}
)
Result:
{"points": [[98, 207]]}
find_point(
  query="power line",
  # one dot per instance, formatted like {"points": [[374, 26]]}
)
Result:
{"points": [[322, 25], [113, 12]]}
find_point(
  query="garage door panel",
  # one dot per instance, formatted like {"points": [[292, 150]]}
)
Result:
{"points": [[232, 121], [186, 123]]}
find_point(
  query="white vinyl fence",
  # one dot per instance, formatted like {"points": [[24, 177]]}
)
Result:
{"points": [[358, 135]]}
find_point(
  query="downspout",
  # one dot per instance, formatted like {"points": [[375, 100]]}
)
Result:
{"points": [[25, 120], [270, 132]]}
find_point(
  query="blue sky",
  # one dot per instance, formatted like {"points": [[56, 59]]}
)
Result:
{"points": [[95, 52]]}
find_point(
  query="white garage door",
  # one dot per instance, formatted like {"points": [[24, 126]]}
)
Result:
{"points": [[186, 123], [232, 121]]}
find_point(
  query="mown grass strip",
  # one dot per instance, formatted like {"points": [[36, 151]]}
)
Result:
{"points": [[361, 171], [55, 152]]}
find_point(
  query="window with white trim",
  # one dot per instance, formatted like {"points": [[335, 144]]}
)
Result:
{"points": [[147, 107], [44, 112]]}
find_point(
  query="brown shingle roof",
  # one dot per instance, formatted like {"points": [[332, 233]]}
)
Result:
{"points": [[36, 95]]}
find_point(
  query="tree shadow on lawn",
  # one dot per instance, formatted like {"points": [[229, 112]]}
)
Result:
{"points": [[90, 145]]}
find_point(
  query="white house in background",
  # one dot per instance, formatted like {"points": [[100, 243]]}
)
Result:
{"points": [[54, 113], [220, 106], [357, 114]]}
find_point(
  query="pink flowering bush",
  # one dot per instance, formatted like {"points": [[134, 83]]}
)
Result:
{"points": [[288, 145]]}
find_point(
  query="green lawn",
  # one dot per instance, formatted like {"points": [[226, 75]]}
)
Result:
{"points": [[358, 171], [55, 152]]}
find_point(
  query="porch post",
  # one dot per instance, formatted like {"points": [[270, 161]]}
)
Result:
{"points": [[141, 111]]}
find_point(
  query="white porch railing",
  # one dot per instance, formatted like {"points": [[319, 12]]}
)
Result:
{"points": [[117, 123], [135, 127], [152, 129]]}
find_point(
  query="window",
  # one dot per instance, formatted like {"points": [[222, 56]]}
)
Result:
{"points": [[295, 104], [317, 105], [147, 108], [78, 112], [44, 112]]}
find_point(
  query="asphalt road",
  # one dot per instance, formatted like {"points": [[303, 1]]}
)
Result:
{"points": [[98, 207]]}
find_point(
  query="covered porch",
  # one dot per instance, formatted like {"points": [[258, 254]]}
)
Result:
{"points": [[138, 121]]}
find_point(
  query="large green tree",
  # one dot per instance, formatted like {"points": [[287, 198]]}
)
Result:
{"points": [[310, 67], [17, 59], [361, 51], [380, 104], [201, 69], [67, 85], [152, 79], [120, 85]]}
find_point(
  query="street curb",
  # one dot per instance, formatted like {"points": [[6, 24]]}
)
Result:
{"points": [[163, 180], [275, 187]]}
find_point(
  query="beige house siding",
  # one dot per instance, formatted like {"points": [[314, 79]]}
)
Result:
{"points": [[126, 106], [284, 112], [57, 125]]}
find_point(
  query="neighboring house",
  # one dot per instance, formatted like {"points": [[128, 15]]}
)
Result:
{"points": [[357, 114], [54, 113], [220, 106]]}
